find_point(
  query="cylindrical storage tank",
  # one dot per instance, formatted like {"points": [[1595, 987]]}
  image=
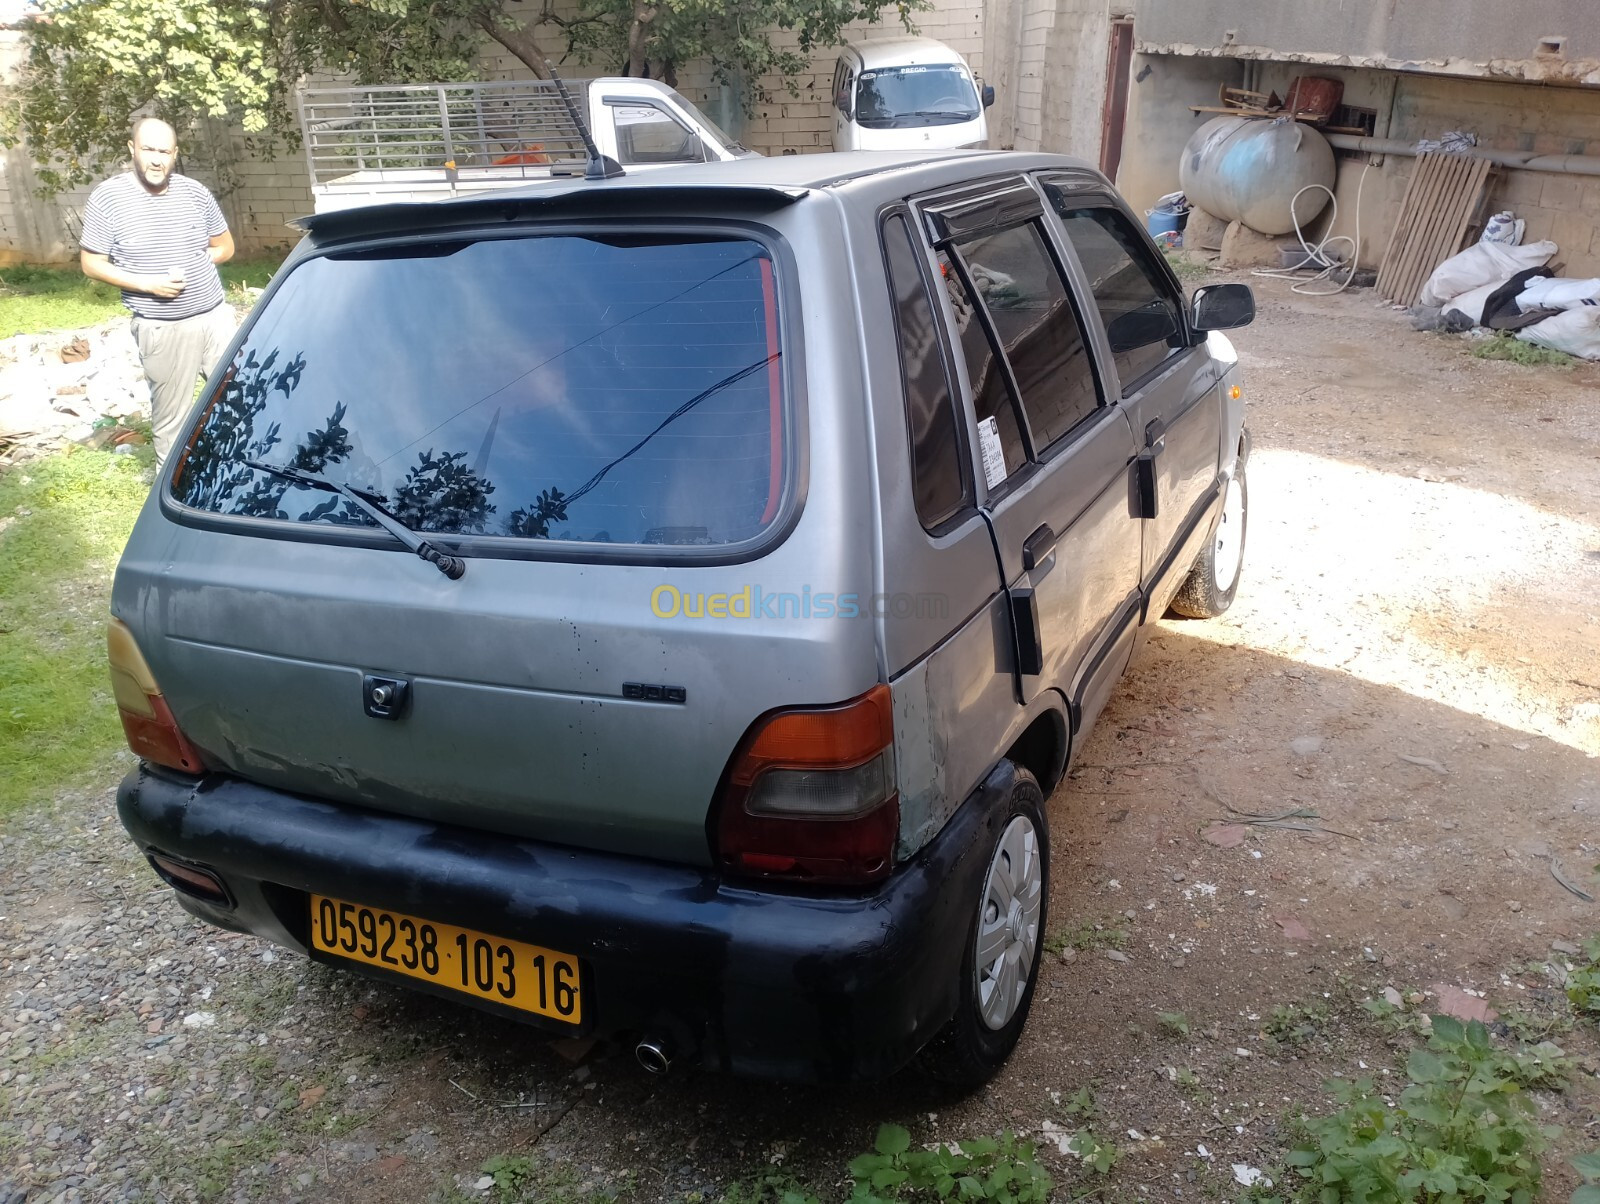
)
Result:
{"points": [[1249, 169]]}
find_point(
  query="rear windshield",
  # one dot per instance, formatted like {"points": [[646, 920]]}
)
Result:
{"points": [[611, 390], [905, 97]]}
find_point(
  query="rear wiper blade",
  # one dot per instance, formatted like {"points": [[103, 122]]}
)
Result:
{"points": [[452, 567]]}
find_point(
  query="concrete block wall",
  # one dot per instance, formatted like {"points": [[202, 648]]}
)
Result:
{"points": [[788, 123], [1544, 119], [261, 193]]}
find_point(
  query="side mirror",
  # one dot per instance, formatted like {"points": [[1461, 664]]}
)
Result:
{"points": [[988, 95], [1222, 307]]}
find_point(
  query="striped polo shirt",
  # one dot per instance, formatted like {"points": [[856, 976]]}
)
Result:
{"points": [[158, 232]]}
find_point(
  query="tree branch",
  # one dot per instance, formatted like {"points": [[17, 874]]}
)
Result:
{"points": [[519, 41]]}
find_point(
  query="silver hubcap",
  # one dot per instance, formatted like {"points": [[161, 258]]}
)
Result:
{"points": [[1008, 922], [1230, 538]]}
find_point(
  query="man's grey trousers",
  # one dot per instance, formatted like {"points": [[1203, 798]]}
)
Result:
{"points": [[175, 355]]}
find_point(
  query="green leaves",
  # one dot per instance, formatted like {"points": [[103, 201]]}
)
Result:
{"points": [[1461, 1132], [984, 1168]]}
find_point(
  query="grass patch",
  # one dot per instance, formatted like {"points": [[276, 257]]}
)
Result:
{"points": [[1515, 351], [1186, 264], [36, 299], [1086, 937], [63, 522]]}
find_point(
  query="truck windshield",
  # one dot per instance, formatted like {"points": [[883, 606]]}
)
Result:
{"points": [[713, 131], [892, 98], [622, 390]]}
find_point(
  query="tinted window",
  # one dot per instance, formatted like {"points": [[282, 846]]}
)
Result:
{"points": [[1034, 319], [1143, 318], [991, 397], [623, 390], [907, 97], [936, 453]]}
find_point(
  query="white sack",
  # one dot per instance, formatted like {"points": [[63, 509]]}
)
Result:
{"points": [[1555, 293], [1480, 264], [1472, 302], [1575, 331]]}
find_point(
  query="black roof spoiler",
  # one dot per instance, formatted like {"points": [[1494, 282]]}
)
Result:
{"points": [[538, 201]]}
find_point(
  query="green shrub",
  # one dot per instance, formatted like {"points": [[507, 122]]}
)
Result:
{"points": [[1462, 1131]]}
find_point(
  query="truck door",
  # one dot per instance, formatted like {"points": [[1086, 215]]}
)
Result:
{"points": [[1167, 384], [1056, 448]]}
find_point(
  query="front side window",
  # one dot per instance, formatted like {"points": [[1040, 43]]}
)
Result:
{"points": [[622, 389], [1143, 317], [646, 134], [895, 98]]}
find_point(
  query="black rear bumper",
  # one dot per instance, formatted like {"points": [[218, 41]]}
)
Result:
{"points": [[801, 986]]}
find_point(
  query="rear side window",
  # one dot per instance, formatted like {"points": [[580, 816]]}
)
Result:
{"points": [[1034, 320], [613, 390], [936, 452], [1142, 316], [1020, 289], [991, 397]]}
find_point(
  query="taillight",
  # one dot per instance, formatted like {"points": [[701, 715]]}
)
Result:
{"points": [[811, 795], [146, 719]]}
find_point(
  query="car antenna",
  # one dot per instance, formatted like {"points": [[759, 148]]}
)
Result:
{"points": [[596, 166]]}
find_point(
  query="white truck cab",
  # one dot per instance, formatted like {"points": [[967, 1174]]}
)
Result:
{"points": [[419, 142], [907, 94]]}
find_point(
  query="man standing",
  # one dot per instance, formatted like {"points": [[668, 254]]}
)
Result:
{"points": [[159, 237]]}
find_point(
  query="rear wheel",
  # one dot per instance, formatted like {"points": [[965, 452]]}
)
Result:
{"points": [[1004, 942], [1212, 583]]}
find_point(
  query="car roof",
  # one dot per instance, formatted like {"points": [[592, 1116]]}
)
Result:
{"points": [[773, 181], [904, 52]]}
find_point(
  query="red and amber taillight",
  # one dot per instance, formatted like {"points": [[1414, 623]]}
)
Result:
{"points": [[146, 719], [811, 796]]}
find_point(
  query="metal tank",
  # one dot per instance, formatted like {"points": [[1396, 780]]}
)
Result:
{"points": [[1250, 169]]}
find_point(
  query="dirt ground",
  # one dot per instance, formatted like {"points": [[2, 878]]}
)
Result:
{"points": [[1412, 664]]}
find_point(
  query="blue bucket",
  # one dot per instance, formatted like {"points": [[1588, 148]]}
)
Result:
{"points": [[1162, 221]]}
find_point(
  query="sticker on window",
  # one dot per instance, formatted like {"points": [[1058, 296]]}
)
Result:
{"points": [[994, 456]]}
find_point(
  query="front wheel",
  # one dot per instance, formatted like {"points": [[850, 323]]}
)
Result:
{"points": [[1000, 965], [1212, 583]]}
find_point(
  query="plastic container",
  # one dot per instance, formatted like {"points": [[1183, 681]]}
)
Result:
{"points": [[1163, 221]]}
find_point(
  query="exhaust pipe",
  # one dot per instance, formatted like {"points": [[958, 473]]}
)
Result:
{"points": [[654, 1054]]}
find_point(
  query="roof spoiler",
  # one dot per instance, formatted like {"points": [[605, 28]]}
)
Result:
{"points": [[533, 200]]}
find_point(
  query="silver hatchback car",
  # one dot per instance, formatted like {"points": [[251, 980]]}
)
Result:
{"points": [[659, 607]]}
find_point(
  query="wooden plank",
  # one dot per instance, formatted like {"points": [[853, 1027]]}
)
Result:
{"points": [[1387, 265], [1441, 224], [1477, 185], [1400, 238], [1427, 229], [1428, 199]]}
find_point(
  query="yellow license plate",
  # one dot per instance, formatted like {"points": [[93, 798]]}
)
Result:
{"points": [[508, 972]]}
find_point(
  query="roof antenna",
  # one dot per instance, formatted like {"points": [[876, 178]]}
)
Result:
{"points": [[598, 166]]}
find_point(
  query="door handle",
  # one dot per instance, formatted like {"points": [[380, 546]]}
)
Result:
{"points": [[1155, 436], [1037, 547]]}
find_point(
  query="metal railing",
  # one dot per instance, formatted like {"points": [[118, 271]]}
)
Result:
{"points": [[510, 130]]}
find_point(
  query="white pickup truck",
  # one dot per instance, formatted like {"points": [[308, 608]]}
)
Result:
{"points": [[419, 142]]}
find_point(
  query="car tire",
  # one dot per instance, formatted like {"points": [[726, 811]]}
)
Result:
{"points": [[1214, 579], [993, 999]]}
